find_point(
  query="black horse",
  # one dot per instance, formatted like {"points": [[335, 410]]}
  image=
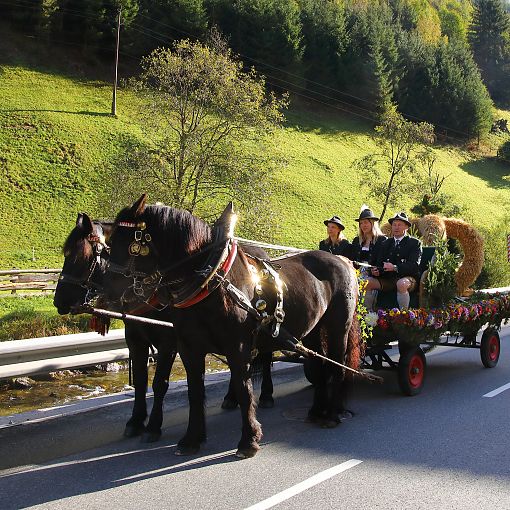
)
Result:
{"points": [[169, 252], [86, 255]]}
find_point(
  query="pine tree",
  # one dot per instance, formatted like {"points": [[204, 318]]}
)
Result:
{"points": [[325, 39], [489, 36]]}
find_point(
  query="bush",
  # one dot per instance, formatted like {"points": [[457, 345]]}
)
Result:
{"points": [[504, 152], [440, 286], [496, 268]]}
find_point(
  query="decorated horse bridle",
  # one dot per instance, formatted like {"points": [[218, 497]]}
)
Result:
{"points": [[87, 282], [222, 253]]}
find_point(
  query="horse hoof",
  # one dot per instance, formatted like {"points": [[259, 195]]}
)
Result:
{"points": [[329, 424], [229, 404], [266, 403], [183, 451], [345, 415], [150, 437], [133, 430], [247, 453]]}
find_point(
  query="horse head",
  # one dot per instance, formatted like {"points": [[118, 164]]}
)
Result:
{"points": [[154, 249], [85, 257]]}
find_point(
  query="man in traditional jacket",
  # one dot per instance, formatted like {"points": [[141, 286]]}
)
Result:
{"points": [[398, 261]]}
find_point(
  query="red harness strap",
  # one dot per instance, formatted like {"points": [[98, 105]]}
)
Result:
{"points": [[225, 268]]}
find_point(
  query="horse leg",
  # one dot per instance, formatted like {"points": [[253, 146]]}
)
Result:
{"points": [[251, 430], [166, 358], [194, 363], [230, 399], [139, 353], [266, 400], [320, 377], [337, 326]]}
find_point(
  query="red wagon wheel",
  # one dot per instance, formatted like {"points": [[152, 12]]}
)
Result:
{"points": [[411, 371], [490, 347]]}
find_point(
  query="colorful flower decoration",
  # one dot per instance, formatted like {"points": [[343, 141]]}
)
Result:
{"points": [[420, 324]]}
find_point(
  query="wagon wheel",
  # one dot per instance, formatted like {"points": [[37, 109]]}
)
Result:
{"points": [[411, 371], [490, 347]]}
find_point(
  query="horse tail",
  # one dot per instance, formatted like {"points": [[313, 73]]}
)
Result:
{"points": [[354, 346]]}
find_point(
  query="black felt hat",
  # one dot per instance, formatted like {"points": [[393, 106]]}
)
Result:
{"points": [[367, 214], [402, 216], [336, 220]]}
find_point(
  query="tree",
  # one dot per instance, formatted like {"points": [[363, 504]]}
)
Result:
{"points": [[325, 39], [267, 33], [159, 21], [489, 35], [387, 172], [209, 126]]}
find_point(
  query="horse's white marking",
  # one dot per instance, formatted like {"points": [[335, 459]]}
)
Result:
{"points": [[497, 391], [304, 485]]}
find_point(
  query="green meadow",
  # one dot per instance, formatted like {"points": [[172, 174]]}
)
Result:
{"points": [[59, 147]]}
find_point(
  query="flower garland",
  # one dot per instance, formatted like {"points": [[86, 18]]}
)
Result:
{"points": [[428, 324]]}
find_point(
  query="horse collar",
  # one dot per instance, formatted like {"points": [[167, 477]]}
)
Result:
{"points": [[213, 276]]}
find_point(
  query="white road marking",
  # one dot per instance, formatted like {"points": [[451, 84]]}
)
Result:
{"points": [[497, 391], [304, 485]]}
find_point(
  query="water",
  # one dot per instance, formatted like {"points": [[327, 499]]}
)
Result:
{"points": [[72, 386]]}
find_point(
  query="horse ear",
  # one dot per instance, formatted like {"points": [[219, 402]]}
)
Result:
{"points": [[84, 223], [139, 206], [227, 220]]}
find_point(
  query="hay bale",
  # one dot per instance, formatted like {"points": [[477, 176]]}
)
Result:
{"points": [[431, 227], [472, 246]]}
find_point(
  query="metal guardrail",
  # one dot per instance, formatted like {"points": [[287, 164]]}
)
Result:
{"points": [[48, 354]]}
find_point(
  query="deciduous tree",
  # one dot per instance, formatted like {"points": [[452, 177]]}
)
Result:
{"points": [[388, 172], [210, 126]]}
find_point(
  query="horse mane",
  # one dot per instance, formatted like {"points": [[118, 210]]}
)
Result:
{"points": [[176, 229]]}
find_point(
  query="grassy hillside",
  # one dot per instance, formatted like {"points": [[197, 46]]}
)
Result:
{"points": [[58, 144]]}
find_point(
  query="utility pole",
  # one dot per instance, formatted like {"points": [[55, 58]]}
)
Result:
{"points": [[114, 98]]}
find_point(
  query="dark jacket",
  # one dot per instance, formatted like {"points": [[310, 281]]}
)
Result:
{"points": [[406, 256], [342, 248], [370, 256]]}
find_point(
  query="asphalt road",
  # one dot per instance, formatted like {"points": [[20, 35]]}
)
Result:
{"points": [[447, 448]]}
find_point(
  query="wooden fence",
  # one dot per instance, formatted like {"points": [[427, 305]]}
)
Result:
{"points": [[28, 281]]}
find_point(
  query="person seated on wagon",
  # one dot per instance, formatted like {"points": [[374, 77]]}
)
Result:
{"points": [[335, 243], [366, 246], [398, 262]]}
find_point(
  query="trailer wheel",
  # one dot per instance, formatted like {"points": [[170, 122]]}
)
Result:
{"points": [[490, 347], [411, 371]]}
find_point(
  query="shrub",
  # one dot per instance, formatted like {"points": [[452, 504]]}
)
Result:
{"points": [[496, 268], [504, 152], [440, 286]]}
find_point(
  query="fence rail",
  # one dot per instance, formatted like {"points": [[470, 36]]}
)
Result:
{"points": [[48, 354], [23, 281]]}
